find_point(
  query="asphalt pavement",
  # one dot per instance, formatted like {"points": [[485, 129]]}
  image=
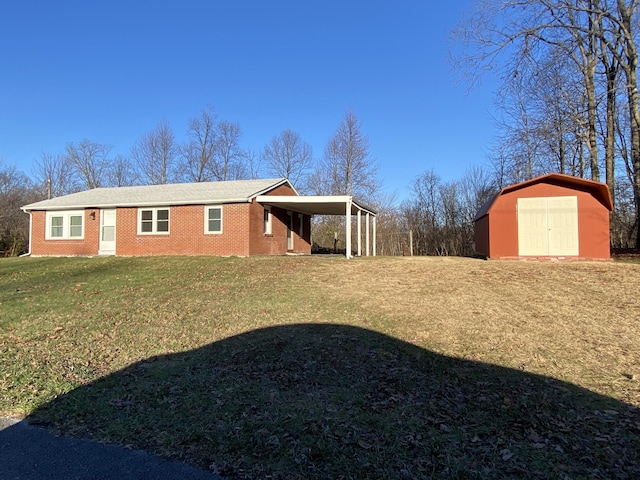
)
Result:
{"points": [[30, 452]]}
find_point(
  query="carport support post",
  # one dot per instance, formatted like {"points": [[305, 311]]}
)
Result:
{"points": [[348, 228], [359, 232], [374, 235], [367, 234]]}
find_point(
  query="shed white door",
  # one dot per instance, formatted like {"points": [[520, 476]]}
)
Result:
{"points": [[548, 226], [107, 232]]}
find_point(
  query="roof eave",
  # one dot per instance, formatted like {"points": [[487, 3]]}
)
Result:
{"points": [[30, 208], [601, 190], [279, 183]]}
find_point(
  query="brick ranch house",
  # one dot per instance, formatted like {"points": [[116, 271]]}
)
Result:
{"points": [[243, 218]]}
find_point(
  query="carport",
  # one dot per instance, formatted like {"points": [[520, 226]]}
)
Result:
{"points": [[332, 205]]}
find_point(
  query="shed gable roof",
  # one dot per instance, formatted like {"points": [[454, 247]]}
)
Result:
{"points": [[162, 195], [598, 189]]}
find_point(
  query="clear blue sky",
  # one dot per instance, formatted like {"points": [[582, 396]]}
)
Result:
{"points": [[111, 71]]}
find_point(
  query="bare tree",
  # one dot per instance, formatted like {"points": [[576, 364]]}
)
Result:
{"points": [[348, 168], [155, 156], [199, 152], [228, 155], [440, 214], [391, 228], [54, 175], [625, 23], [16, 190], [542, 120], [287, 155], [253, 163], [89, 159], [477, 186], [121, 173]]}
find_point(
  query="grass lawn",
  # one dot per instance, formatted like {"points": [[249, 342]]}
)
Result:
{"points": [[326, 368]]}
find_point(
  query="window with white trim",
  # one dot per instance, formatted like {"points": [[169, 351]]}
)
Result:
{"points": [[267, 220], [65, 225], [153, 221], [213, 219]]}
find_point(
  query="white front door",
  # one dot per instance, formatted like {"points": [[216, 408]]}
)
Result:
{"points": [[107, 232]]}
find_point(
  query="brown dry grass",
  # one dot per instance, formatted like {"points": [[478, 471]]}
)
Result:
{"points": [[578, 322]]}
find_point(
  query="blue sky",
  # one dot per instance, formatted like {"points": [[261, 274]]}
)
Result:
{"points": [[112, 71]]}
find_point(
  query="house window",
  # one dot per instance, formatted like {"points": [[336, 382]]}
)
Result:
{"points": [[300, 225], [267, 220], [75, 226], [213, 219], [153, 220], [65, 225], [57, 229]]}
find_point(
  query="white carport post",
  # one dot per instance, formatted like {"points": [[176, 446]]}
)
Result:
{"points": [[367, 234], [348, 228], [359, 232], [374, 235]]}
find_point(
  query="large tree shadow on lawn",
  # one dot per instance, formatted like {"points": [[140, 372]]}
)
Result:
{"points": [[335, 401]]}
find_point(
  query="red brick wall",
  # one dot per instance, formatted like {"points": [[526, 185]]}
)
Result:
{"points": [[186, 233], [261, 244], [276, 242], [281, 190], [87, 246]]}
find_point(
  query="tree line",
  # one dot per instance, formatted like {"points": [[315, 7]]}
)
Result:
{"points": [[212, 151], [568, 100]]}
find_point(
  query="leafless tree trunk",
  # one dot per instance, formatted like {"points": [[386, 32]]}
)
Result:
{"points": [[610, 65], [629, 65]]}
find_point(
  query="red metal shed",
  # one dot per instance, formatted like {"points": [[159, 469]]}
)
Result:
{"points": [[552, 216]]}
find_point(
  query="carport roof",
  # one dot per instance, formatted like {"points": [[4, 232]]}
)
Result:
{"points": [[316, 204]]}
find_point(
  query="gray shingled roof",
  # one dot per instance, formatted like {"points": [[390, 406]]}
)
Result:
{"points": [[161, 195]]}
